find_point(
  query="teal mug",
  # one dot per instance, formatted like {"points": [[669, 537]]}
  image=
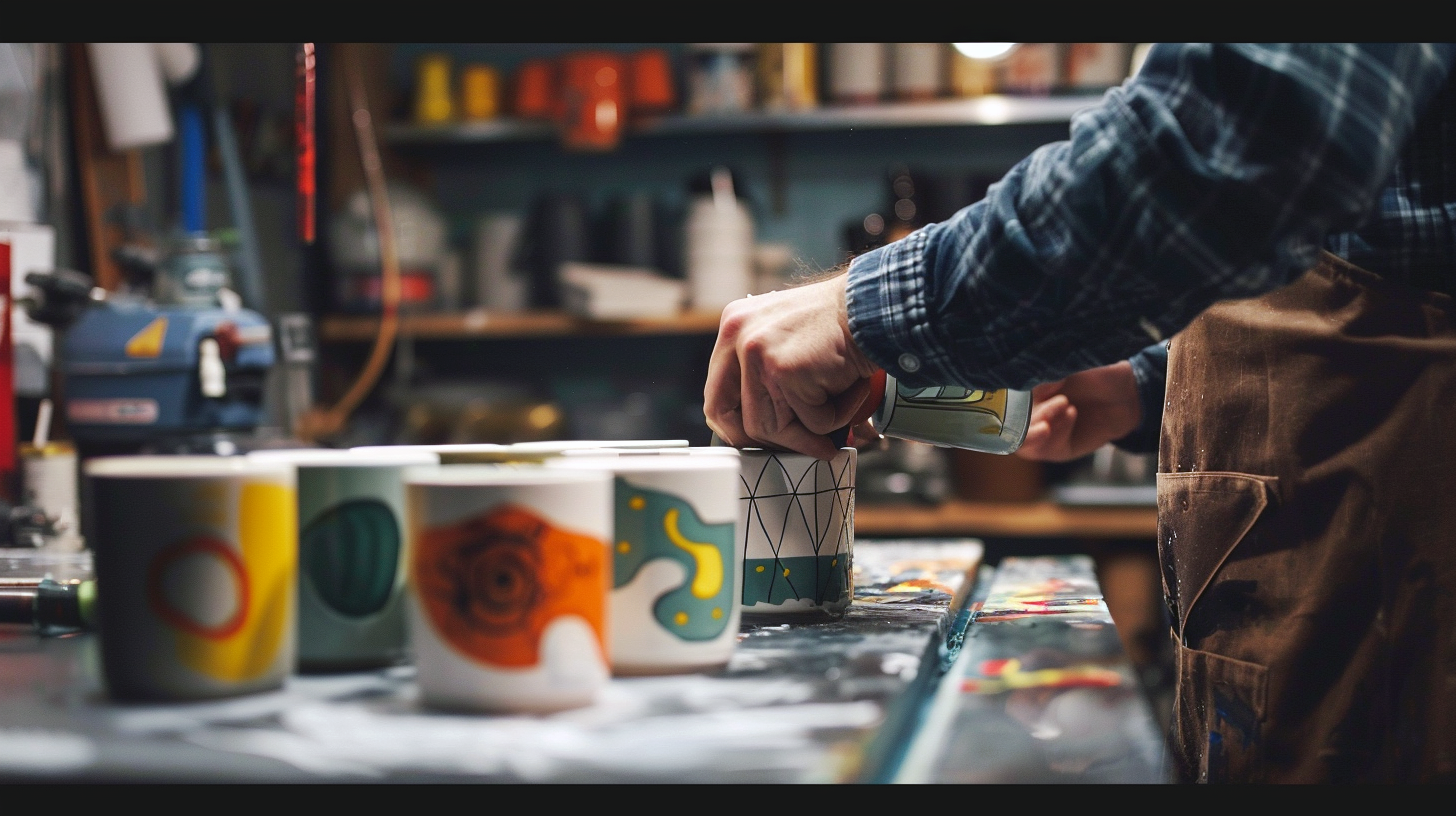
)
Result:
{"points": [[351, 555]]}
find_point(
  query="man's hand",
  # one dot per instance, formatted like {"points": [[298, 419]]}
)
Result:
{"points": [[1075, 416], [785, 371]]}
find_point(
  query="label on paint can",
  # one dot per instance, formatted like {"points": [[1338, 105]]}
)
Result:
{"points": [[954, 416], [49, 481]]}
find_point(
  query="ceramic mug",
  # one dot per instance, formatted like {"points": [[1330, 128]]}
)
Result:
{"points": [[351, 555], [676, 600], [508, 582], [196, 561], [796, 523]]}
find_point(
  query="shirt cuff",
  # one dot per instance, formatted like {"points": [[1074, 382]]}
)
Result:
{"points": [[1150, 370], [886, 300]]}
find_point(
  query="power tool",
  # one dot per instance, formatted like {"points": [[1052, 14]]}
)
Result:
{"points": [[138, 376]]}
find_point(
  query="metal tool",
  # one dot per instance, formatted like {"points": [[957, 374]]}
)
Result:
{"points": [[52, 607]]}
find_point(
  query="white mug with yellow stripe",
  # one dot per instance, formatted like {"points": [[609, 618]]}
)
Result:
{"points": [[196, 571], [676, 598]]}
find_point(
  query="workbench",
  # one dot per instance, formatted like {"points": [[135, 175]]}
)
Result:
{"points": [[945, 669]]}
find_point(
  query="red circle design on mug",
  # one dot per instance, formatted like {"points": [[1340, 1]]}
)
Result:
{"points": [[179, 619]]}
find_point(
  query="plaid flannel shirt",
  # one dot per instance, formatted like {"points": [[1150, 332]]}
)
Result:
{"points": [[1218, 171]]}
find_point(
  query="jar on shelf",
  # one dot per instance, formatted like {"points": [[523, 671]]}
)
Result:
{"points": [[1096, 66], [857, 73], [651, 88], [788, 76], [534, 89], [917, 71], [434, 89], [975, 68], [479, 92], [591, 100], [720, 77], [1032, 69]]}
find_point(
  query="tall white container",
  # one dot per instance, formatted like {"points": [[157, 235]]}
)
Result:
{"points": [[132, 94], [718, 245]]}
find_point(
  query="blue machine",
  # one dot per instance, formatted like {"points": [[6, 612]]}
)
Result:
{"points": [[136, 372]]}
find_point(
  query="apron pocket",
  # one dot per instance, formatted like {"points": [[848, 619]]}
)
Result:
{"points": [[1219, 720], [1202, 516]]}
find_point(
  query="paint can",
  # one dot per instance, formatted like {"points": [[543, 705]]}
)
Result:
{"points": [[49, 482], [990, 421]]}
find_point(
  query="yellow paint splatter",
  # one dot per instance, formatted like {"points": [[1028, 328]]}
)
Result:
{"points": [[786, 572], [636, 502], [717, 613], [758, 568], [708, 578], [834, 563], [681, 619], [624, 547]]}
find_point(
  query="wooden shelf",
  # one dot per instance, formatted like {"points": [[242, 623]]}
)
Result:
{"points": [[1044, 519], [483, 324], [986, 110]]}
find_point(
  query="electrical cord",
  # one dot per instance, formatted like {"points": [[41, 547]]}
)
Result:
{"points": [[323, 423]]}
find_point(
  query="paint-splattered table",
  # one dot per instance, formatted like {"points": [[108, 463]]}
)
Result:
{"points": [[1040, 690]]}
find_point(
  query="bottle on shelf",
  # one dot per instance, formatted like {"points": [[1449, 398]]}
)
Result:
{"points": [[917, 71], [720, 78], [788, 76], [857, 73], [718, 244]]}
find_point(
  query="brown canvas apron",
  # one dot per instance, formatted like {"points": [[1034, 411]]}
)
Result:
{"points": [[1307, 532]]}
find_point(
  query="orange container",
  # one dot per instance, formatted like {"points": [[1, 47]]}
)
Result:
{"points": [[535, 89], [651, 88], [479, 91], [591, 99], [434, 100]]}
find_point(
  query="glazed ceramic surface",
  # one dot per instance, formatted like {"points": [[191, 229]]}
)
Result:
{"points": [[508, 582], [196, 565], [676, 561], [351, 555], [796, 522]]}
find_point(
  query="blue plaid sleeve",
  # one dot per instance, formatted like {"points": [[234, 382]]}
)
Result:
{"points": [[1217, 172]]}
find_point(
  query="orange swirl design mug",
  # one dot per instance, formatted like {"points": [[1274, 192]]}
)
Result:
{"points": [[508, 582]]}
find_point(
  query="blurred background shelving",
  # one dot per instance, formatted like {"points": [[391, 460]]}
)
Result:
{"points": [[992, 109]]}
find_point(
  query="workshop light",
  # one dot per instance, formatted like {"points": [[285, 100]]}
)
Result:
{"points": [[984, 50]]}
